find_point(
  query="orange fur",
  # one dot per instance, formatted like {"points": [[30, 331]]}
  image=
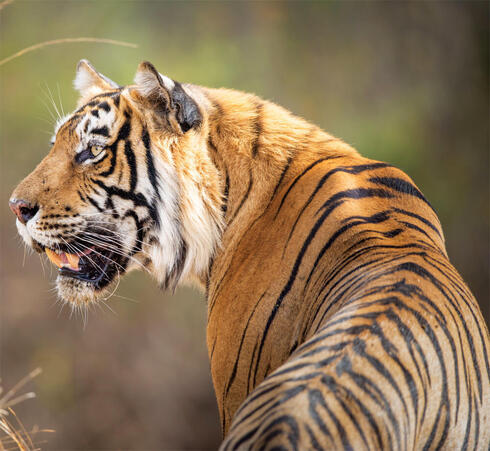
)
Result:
{"points": [[335, 319]]}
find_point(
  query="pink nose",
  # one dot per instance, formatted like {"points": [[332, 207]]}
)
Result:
{"points": [[23, 210]]}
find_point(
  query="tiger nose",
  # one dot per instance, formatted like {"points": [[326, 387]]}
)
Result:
{"points": [[23, 209]]}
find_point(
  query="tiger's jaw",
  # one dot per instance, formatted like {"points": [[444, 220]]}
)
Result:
{"points": [[87, 276], [87, 272]]}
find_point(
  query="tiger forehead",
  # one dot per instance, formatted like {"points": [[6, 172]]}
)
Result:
{"points": [[101, 103], [93, 121]]}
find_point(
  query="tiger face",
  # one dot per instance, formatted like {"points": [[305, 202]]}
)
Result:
{"points": [[108, 197]]}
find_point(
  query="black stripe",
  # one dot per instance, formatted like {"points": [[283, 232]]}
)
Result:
{"points": [[105, 106], [150, 165], [281, 178], [123, 134], [315, 398], [258, 129], [224, 206], [401, 186], [131, 160], [95, 204], [420, 218], [334, 389], [244, 198], [289, 284], [233, 373], [371, 389], [313, 440], [103, 131], [297, 179]]}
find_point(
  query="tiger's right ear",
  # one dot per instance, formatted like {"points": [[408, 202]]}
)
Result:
{"points": [[89, 83]]}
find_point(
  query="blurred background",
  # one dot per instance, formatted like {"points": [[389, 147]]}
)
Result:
{"points": [[406, 83]]}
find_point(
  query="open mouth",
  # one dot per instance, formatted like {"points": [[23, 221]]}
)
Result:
{"points": [[94, 265]]}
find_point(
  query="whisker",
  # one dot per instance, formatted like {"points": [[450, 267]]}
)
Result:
{"points": [[78, 251], [59, 97], [116, 233], [52, 101], [104, 244], [53, 117], [126, 298]]}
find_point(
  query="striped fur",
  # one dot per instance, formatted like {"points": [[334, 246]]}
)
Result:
{"points": [[335, 319]]}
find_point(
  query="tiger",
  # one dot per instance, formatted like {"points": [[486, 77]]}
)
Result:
{"points": [[335, 319]]}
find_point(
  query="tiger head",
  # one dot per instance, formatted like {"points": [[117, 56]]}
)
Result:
{"points": [[126, 185]]}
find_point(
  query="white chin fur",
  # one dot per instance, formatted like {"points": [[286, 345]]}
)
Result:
{"points": [[79, 293]]}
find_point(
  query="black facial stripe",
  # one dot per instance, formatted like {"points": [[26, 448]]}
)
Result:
{"points": [[131, 160], [81, 196], [152, 175], [138, 198], [95, 204], [95, 101], [150, 165], [123, 134], [109, 205], [105, 106], [140, 231], [103, 131]]}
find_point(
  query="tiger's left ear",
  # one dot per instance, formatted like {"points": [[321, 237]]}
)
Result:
{"points": [[89, 83], [166, 97]]}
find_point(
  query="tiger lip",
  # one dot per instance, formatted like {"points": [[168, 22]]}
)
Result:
{"points": [[65, 259]]}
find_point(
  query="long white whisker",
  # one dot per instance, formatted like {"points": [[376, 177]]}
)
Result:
{"points": [[59, 97], [120, 234], [102, 242], [53, 102], [110, 259], [109, 249], [53, 117]]}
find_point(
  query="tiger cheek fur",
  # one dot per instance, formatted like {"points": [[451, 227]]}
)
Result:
{"points": [[335, 319]]}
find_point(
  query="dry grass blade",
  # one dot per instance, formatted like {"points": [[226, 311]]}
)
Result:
{"points": [[15, 436], [64, 41]]}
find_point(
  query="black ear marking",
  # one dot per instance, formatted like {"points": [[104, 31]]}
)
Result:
{"points": [[187, 112]]}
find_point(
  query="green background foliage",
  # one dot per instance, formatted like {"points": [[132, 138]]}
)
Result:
{"points": [[405, 83]]}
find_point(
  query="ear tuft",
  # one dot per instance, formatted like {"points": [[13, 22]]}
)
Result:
{"points": [[147, 80], [150, 82], [88, 82]]}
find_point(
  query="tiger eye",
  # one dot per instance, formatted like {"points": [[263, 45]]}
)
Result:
{"points": [[96, 150]]}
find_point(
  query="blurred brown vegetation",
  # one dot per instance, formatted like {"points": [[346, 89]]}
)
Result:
{"points": [[405, 83]]}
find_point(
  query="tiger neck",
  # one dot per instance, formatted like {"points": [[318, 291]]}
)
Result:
{"points": [[253, 144]]}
